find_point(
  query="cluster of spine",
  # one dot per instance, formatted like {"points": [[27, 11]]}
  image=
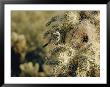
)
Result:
{"points": [[79, 33]]}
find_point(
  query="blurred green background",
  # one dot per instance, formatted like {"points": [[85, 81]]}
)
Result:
{"points": [[31, 24]]}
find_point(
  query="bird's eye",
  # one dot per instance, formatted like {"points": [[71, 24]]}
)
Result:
{"points": [[56, 35], [85, 38]]}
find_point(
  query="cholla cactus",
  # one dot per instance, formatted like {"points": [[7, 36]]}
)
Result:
{"points": [[71, 17], [77, 43], [14, 37], [28, 69]]}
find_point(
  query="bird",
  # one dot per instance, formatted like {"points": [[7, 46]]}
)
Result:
{"points": [[54, 38]]}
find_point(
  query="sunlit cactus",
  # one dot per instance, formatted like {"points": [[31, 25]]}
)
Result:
{"points": [[81, 36]]}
